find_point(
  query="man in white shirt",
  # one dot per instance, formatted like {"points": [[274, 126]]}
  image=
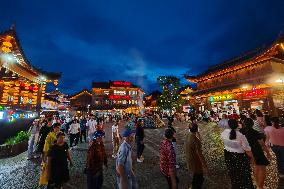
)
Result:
{"points": [[74, 132], [91, 127], [115, 139]]}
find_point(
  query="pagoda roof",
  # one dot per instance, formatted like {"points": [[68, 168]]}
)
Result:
{"points": [[84, 91], [252, 56], [23, 62]]}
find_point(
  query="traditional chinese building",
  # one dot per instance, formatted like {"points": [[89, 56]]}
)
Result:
{"points": [[150, 101], [117, 95], [22, 85], [253, 80], [81, 101]]}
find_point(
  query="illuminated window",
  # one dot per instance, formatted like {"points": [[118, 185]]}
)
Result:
{"points": [[10, 98]]}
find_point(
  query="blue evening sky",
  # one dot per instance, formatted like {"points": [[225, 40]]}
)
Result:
{"points": [[101, 40]]}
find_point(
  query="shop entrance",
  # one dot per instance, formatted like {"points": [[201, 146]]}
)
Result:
{"points": [[256, 105]]}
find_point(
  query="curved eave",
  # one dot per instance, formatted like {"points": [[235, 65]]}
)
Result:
{"points": [[19, 53], [266, 55]]}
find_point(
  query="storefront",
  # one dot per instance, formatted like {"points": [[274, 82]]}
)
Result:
{"points": [[251, 81]]}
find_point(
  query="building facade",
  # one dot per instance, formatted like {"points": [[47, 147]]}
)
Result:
{"points": [[81, 101], [22, 86], [251, 81], [117, 95]]}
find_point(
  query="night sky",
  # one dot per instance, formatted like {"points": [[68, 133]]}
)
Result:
{"points": [[137, 40]]}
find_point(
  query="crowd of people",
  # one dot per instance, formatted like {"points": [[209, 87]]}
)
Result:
{"points": [[247, 138]]}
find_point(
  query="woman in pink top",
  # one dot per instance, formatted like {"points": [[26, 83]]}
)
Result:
{"points": [[275, 136]]}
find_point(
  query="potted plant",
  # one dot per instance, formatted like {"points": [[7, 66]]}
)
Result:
{"points": [[15, 145]]}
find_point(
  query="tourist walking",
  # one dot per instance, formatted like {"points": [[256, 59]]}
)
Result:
{"points": [[74, 132], [174, 140], [275, 137], [115, 139], [168, 160], [34, 132], [83, 129], [237, 156], [50, 139], [259, 123], [223, 123], [57, 166], [256, 141], [46, 127], [194, 158], [125, 174], [96, 159], [91, 126], [139, 139]]}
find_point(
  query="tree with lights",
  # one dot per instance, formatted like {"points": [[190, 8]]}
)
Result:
{"points": [[170, 98]]}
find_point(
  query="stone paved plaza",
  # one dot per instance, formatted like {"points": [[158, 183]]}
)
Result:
{"points": [[17, 172]]}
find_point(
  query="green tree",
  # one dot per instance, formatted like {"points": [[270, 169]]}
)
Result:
{"points": [[170, 98]]}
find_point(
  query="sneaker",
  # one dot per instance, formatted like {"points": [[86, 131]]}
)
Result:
{"points": [[177, 166], [139, 160], [113, 156]]}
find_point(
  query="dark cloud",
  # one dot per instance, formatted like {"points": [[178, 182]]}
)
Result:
{"points": [[138, 40]]}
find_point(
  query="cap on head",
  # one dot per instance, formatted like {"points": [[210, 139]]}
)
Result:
{"points": [[98, 134], [127, 132]]}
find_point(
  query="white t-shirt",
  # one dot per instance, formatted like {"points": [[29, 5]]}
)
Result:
{"points": [[238, 145], [114, 129], [91, 124], [74, 128]]}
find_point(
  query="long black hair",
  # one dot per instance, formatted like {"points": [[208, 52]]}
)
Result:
{"points": [[233, 124]]}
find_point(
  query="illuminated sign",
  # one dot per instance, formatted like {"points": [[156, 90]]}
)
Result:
{"points": [[12, 116], [1, 115], [119, 92], [255, 93], [122, 83], [1, 108], [221, 97], [119, 97]]}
